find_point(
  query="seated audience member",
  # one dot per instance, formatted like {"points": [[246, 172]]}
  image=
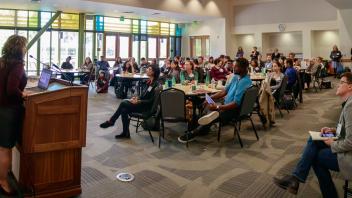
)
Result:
{"points": [[210, 63], [297, 64], [135, 104], [134, 64], [275, 55], [269, 62], [232, 95], [164, 70], [174, 72], [275, 77], [102, 83], [199, 70], [323, 156], [291, 55], [201, 62], [218, 72], [290, 73], [239, 53], [87, 65], [189, 74], [254, 55], [117, 66], [254, 68], [154, 62], [67, 64], [144, 65], [311, 70], [103, 64]]}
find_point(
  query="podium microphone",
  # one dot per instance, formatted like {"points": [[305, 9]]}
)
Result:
{"points": [[63, 73], [57, 68]]}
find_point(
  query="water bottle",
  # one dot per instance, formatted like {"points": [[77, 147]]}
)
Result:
{"points": [[182, 77], [173, 81], [207, 79]]}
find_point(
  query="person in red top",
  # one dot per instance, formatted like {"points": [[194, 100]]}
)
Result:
{"points": [[13, 80], [218, 72], [102, 83]]}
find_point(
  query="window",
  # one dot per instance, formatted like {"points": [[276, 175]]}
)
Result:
{"points": [[69, 47], [7, 18], [117, 25], [4, 35], [135, 26], [164, 28], [69, 21], [22, 19], [163, 47], [89, 45], [89, 22], [135, 47], [153, 27], [110, 49], [32, 64], [124, 46], [172, 29], [32, 19], [55, 47], [200, 46], [152, 47], [45, 51]]}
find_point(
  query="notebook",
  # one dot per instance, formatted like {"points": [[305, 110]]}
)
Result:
{"points": [[317, 136]]}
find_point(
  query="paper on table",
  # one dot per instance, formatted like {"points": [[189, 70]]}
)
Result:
{"points": [[316, 136], [209, 99]]}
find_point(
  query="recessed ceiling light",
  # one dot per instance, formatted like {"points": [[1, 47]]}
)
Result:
{"points": [[156, 13], [35, 1], [128, 12]]}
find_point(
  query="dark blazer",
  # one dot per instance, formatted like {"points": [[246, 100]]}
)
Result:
{"points": [[336, 56], [275, 56], [147, 97]]}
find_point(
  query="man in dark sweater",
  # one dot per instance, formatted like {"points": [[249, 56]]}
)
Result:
{"points": [[67, 64]]}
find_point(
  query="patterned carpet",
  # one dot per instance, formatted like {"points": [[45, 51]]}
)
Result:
{"points": [[207, 168]]}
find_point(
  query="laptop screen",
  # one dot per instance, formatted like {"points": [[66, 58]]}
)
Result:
{"points": [[44, 79]]}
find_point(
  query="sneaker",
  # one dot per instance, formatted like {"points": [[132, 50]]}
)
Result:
{"points": [[122, 136], [106, 124], [183, 138], [207, 119]]}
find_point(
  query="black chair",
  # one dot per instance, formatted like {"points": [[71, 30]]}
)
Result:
{"points": [[172, 109], [317, 79], [245, 113], [279, 95], [346, 190], [154, 112]]}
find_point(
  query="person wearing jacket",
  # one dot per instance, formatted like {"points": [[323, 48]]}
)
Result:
{"points": [[330, 154], [135, 104], [336, 56]]}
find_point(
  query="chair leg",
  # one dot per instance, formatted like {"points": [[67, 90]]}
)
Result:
{"points": [[219, 131], [238, 135], [137, 125], [255, 131], [239, 125], [278, 107], [161, 131], [345, 189], [151, 137]]}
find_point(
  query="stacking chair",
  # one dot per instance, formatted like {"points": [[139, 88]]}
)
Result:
{"points": [[317, 79], [154, 112], [279, 94], [172, 109], [245, 112]]}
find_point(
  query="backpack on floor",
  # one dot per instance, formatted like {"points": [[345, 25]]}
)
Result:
{"points": [[288, 101]]}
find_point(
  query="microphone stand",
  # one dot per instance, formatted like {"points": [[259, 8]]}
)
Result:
{"points": [[64, 74], [57, 69]]}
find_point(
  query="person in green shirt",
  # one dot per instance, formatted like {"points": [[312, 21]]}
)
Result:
{"points": [[189, 74]]}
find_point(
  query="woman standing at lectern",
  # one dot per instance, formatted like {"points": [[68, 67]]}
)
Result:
{"points": [[13, 80]]}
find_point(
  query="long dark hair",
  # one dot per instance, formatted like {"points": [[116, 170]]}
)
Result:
{"points": [[13, 50]]}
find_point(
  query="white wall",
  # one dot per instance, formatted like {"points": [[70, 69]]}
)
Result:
{"points": [[286, 42], [323, 41], [246, 41], [284, 11], [214, 28]]}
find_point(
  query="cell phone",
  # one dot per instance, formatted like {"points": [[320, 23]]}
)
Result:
{"points": [[328, 135]]}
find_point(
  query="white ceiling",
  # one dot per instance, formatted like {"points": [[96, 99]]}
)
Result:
{"points": [[103, 9]]}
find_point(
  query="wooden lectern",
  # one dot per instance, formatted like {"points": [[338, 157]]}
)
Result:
{"points": [[47, 161]]}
